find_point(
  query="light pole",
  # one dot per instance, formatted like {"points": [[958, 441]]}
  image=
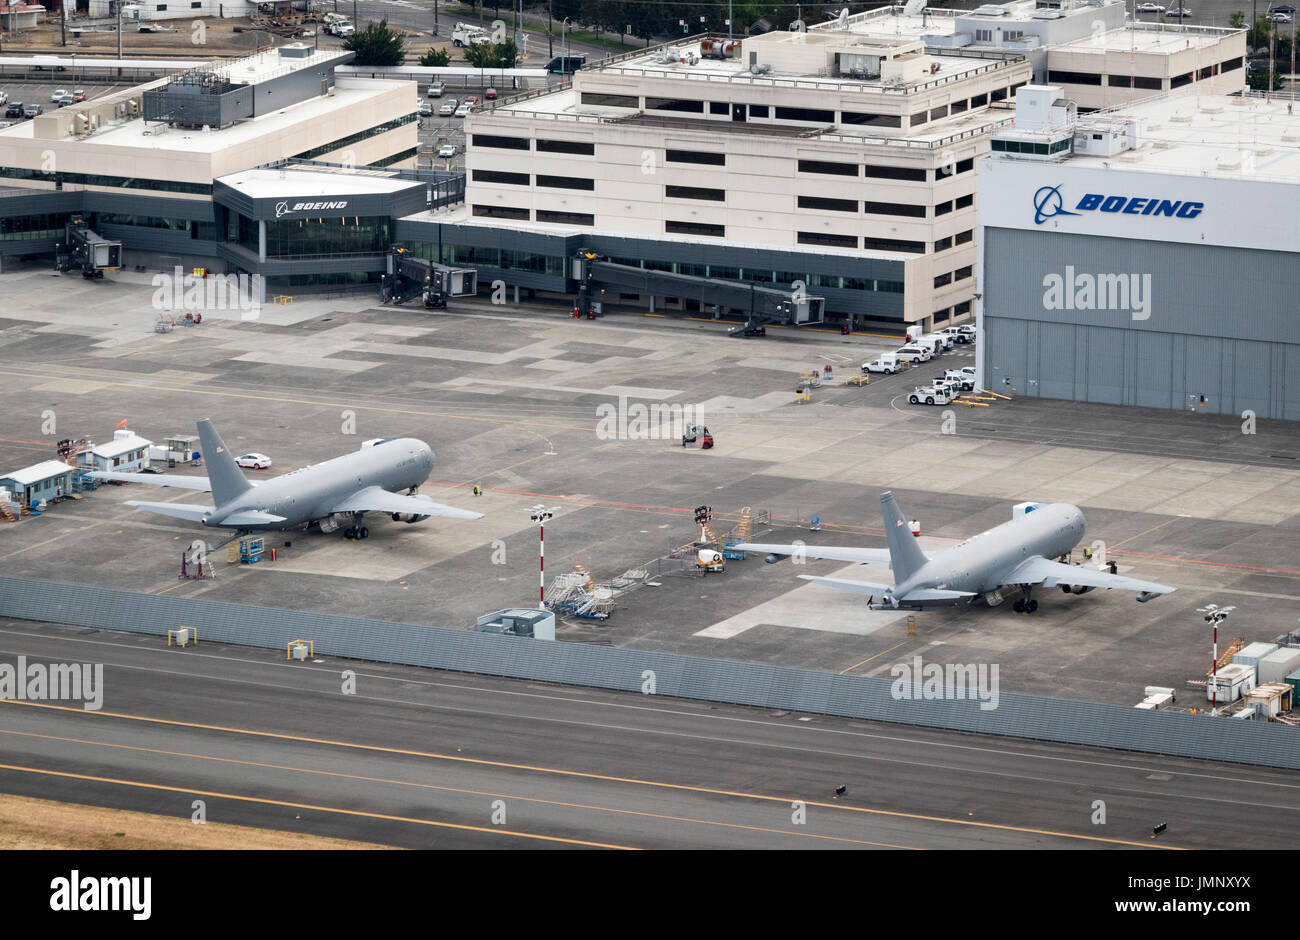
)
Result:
{"points": [[539, 514], [550, 40], [1214, 614], [564, 36]]}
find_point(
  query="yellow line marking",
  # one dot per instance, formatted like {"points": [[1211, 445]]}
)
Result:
{"points": [[870, 658], [570, 773], [307, 806], [431, 786], [1160, 525]]}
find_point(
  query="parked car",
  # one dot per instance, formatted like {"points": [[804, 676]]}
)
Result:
{"points": [[1149, 8], [1174, 11], [1280, 17], [913, 354], [462, 111], [79, 95], [960, 334], [426, 109], [254, 461], [15, 110], [436, 89], [4, 97], [33, 109], [471, 101], [66, 100], [58, 94], [1284, 8], [4, 124], [447, 150], [490, 94]]}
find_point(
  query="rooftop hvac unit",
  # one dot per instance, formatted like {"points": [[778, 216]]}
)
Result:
{"points": [[80, 123], [133, 106], [94, 122]]}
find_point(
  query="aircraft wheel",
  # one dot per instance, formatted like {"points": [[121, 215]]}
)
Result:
{"points": [[1018, 607], [1032, 606], [1065, 588], [365, 534], [347, 533]]}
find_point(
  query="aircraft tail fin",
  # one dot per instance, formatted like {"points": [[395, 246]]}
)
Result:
{"points": [[227, 480], [905, 555]]}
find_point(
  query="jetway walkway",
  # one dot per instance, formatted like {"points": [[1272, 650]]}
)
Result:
{"points": [[410, 276], [760, 304]]}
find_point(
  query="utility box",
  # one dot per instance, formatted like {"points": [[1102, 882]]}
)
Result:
{"points": [[1277, 665], [1232, 682], [1252, 654], [532, 622]]}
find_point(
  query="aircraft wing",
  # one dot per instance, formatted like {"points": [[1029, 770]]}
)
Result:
{"points": [[378, 499], [928, 595], [857, 587], [863, 556], [157, 479], [1051, 573], [188, 511]]}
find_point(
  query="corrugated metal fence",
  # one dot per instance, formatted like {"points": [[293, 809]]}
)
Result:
{"points": [[675, 675]]}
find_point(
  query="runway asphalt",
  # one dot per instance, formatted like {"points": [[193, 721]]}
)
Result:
{"points": [[426, 759]]}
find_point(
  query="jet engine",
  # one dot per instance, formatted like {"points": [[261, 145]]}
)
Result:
{"points": [[333, 523], [1076, 588], [408, 517]]}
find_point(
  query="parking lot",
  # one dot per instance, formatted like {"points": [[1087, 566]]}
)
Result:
{"points": [[510, 398]]}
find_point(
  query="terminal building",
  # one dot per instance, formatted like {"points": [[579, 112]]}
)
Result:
{"points": [[1146, 255], [142, 165]]}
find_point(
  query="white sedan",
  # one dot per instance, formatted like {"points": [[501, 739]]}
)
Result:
{"points": [[1149, 8], [254, 461], [447, 150]]}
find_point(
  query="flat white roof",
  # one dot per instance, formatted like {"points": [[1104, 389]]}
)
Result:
{"points": [[1138, 36], [269, 183], [565, 107], [37, 472], [119, 446], [737, 70], [1204, 135], [348, 93]]}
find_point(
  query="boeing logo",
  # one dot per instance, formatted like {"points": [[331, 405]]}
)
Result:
{"points": [[283, 208], [1048, 203]]}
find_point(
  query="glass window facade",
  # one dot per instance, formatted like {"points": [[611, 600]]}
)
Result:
{"points": [[42, 225], [315, 238], [98, 179], [359, 136], [206, 231]]}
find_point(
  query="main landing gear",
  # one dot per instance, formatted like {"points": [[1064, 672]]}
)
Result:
{"points": [[1025, 605], [356, 530]]}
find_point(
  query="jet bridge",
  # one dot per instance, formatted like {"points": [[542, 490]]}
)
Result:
{"points": [[84, 248], [760, 304], [410, 276]]}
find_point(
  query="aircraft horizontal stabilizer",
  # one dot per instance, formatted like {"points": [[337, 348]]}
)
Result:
{"points": [[156, 479], [378, 499], [857, 587], [187, 511], [250, 517], [863, 556], [1051, 573], [934, 596]]}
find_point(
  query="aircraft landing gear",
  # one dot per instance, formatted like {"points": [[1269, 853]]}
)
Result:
{"points": [[356, 530], [1026, 605]]}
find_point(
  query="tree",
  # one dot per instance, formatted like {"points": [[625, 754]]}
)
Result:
{"points": [[480, 55], [435, 58], [376, 45], [1237, 20], [1257, 79], [505, 54]]}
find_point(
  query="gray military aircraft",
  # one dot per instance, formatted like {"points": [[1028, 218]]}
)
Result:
{"points": [[340, 490], [1016, 553]]}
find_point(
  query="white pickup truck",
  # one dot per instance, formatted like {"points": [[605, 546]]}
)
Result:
{"points": [[888, 363]]}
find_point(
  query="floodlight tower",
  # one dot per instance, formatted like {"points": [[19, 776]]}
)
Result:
{"points": [[1214, 614], [539, 514]]}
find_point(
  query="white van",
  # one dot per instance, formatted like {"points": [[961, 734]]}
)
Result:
{"points": [[914, 353], [888, 363], [932, 343]]}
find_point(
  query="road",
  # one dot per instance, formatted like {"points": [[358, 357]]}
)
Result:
{"points": [[420, 758]]}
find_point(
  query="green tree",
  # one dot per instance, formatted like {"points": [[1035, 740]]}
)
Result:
{"points": [[480, 55], [1237, 20], [376, 45], [1257, 79], [505, 54], [435, 58]]}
